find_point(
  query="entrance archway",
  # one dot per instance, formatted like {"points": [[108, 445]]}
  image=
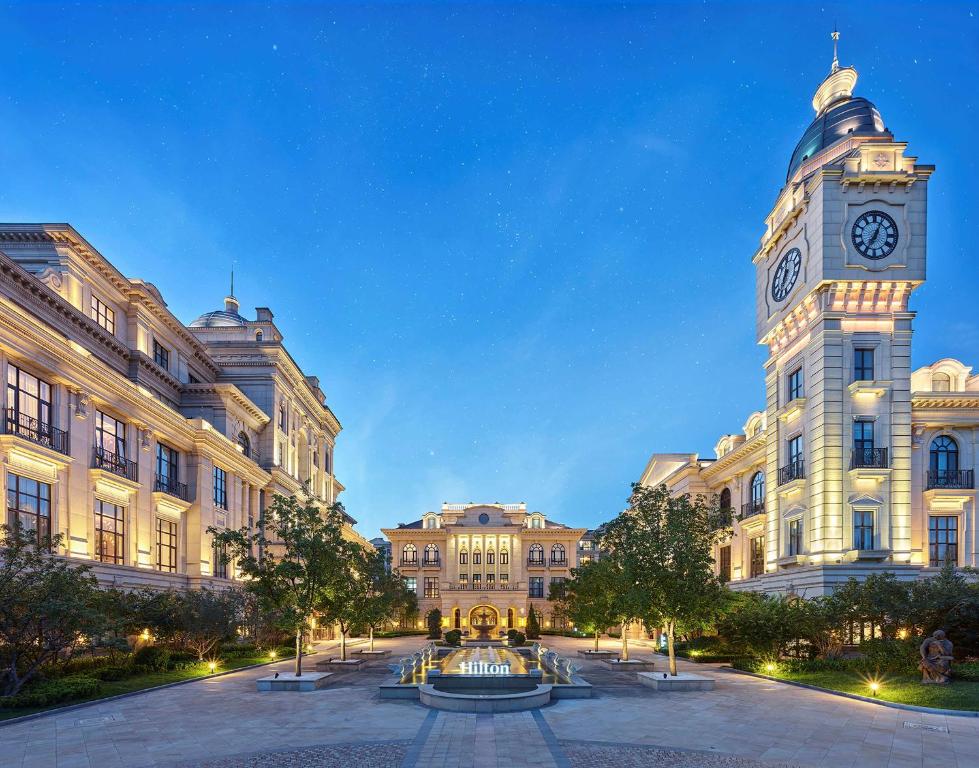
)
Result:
{"points": [[484, 619]]}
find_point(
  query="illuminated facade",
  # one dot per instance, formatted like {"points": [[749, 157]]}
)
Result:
{"points": [[130, 433], [485, 564], [856, 464]]}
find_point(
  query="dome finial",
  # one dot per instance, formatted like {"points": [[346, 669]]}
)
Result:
{"points": [[232, 279], [836, 60]]}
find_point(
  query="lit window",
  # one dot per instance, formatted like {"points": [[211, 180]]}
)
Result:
{"points": [[943, 540], [29, 507], [103, 314], [863, 529], [863, 365], [795, 384], [109, 532], [166, 545], [757, 559], [161, 355], [220, 488], [795, 536]]}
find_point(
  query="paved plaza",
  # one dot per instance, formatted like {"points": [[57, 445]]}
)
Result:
{"points": [[224, 723]]}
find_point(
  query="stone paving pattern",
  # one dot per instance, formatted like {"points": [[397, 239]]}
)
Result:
{"points": [[224, 723]]}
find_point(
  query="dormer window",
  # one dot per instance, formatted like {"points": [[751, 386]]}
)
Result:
{"points": [[258, 336], [941, 382]]}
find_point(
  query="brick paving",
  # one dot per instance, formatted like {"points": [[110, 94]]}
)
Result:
{"points": [[225, 723]]}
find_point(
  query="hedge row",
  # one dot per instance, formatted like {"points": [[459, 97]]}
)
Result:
{"points": [[49, 692]]}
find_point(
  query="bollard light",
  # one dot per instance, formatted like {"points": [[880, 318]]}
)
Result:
{"points": [[212, 666], [272, 654], [874, 687], [769, 667]]}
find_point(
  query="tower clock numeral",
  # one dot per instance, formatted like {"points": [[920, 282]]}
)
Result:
{"points": [[786, 273], [874, 235]]}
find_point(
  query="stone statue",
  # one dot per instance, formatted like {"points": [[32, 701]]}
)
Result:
{"points": [[936, 659]]}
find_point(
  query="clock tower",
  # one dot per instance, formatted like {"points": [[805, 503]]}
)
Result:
{"points": [[843, 249]]}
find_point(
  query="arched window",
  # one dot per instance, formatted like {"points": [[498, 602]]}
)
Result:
{"points": [[409, 555], [941, 382], [431, 554], [244, 444], [456, 619], [726, 498], [758, 492], [490, 557], [504, 556], [477, 557], [536, 554], [943, 463], [258, 335], [558, 555], [509, 618], [463, 557]]}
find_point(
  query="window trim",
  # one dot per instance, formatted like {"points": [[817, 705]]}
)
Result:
{"points": [[117, 536], [15, 512], [872, 527], [795, 388], [933, 562], [862, 368], [172, 548], [161, 355]]}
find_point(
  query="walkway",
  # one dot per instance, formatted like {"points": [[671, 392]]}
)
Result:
{"points": [[225, 723]]}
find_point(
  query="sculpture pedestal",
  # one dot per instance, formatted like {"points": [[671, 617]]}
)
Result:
{"points": [[685, 681], [310, 681]]}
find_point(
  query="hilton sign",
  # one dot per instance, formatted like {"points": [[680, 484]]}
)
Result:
{"points": [[483, 668]]}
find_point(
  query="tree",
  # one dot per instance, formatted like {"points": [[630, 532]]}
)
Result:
{"points": [[289, 561], [385, 595], [590, 597], [433, 620], [533, 624], [342, 598], [663, 544], [204, 618], [47, 606]]}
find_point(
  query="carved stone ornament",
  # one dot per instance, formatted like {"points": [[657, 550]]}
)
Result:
{"points": [[51, 278], [82, 402]]}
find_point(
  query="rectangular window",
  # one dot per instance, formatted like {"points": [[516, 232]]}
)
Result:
{"points": [[166, 464], [463, 558], [863, 437], [103, 314], [411, 583], [795, 449], [463, 579], [110, 435], [537, 586], [504, 578], [477, 580], [220, 488], [219, 553], [863, 365], [757, 559], [29, 507], [110, 532], [490, 580], [795, 536], [585, 545], [166, 545], [795, 384], [584, 559], [943, 540], [490, 558], [431, 586], [477, 558], [863, 529], [504, 557], [28, 402], [161, 355], [724, 563]]}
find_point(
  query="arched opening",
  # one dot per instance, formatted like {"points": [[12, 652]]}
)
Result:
{"points": [[558, 554], [456, 619], [725, 501], [941, 382], [509, 618], [536, 554], [943, 463], [431, 554], [483, 620], [244, 444], [409, 555]]}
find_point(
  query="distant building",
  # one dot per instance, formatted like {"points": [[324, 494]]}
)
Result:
{"points": [[383, 545], [485, 564]]}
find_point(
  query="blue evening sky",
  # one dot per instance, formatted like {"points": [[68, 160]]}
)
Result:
{"points": [[513, 241]]}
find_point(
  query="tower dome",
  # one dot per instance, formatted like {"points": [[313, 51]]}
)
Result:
{"points": [[839, 115], [221, 318]]}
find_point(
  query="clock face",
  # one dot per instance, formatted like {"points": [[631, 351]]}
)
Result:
{"points": [[786, 273], [874, 235]]}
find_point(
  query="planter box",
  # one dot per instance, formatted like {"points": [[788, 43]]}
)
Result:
{"points": [[632, 665], [599, 654], [372, 654], [685, 681], [335, 665], [310, 681]]}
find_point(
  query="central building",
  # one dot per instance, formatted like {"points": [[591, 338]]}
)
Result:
{"points": [[484, 565]]}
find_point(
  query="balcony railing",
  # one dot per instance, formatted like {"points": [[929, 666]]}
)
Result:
{"points": [[409, 563], [117, 465], [171, 486], [872, 458], [951, 478], [536, 562], [36, 431], [431, 562], [795, 470], [752, 508], [488, 586], [559, 562]]}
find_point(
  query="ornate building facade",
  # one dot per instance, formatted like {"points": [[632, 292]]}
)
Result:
{"points": [[856, 464], [485, 564], [130, 433]]}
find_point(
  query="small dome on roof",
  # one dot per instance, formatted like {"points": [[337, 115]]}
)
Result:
{"points": [[221, 318]]}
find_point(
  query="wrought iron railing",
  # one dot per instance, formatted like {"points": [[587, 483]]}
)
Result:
{"points": [[795, 470], [951, 478], [412, 563], [171, 486], [872, 458], [752, 508], [559, 562], [431, 562], [111, 462], [536, 562], [37, 431]]}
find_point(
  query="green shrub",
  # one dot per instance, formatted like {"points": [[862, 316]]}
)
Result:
{"points": [[120, 672], [238, 650], [968, 671], [79, 665], [517, 638], [895, 656], [43, 694], [156, 658], [401, 633], [453, 637]]}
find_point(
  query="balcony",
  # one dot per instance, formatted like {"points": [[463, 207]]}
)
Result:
{"points": [[868, 458], [752, 508], [559, 563], [487, 587], [409, 563], [36, 431], [117, 465], [431, 563], [169, 485], [536, 562], [794, 470], [956, 479]]}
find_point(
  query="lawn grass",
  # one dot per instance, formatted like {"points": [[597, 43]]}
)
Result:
{"points": [[901, 689], [141, 682]]}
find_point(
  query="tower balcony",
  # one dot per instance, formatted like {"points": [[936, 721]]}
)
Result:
{"points": [[868, 458], [954, 479]]}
